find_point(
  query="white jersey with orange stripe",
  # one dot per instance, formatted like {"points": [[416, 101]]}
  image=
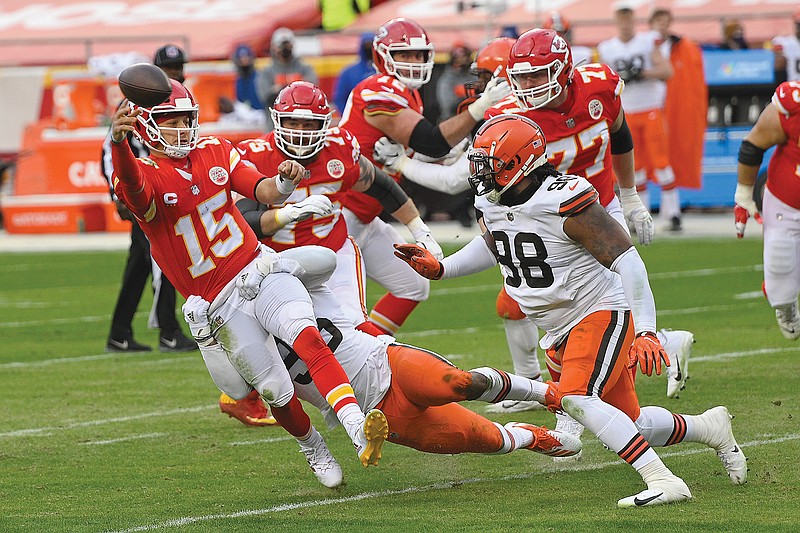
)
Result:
{"points": [[362, 356], [554, 279]]}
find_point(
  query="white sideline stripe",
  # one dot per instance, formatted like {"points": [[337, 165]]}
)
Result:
{"points": [[133, 357], [178, 522], [734, 355], [752, 295], [91, 423], [123, 439], [703, 272], [707, 309], [261, 441]]}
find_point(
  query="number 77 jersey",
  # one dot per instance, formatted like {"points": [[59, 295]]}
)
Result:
{"points": [[554, 279], [578, 132]]}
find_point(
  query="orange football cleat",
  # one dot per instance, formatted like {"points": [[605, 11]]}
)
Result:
{"points": [[550, 442], [250, 410]]}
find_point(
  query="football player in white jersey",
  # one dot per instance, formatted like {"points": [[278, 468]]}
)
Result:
{"points": [[639, 62], [787, 51], [558, 250]]}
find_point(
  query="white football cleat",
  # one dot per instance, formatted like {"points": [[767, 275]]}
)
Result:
{"points": [[668, 490], [567, 424], [788, 321], [719, 435], [321, 461], [513, 406], [678, 345], [371, 437]]}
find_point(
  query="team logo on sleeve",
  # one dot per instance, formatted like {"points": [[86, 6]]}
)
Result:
{"points": [[335, 168], [218, 175], [595, 108]]}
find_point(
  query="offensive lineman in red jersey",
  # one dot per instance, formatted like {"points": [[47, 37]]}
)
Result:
{"points": [[778, 125], [302, 116], [182, 199], [389, 104]]}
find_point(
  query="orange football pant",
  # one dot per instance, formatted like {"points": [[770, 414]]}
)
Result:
{"points": [[420, 408], [588, 356], [650, 144]]}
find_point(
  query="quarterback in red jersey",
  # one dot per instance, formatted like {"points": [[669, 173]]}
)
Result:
{"points": [[312, 213], [389, 104], [181, 196], [778, 125]]}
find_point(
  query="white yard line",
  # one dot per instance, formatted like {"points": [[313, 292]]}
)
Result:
{"points": [[92, 423], [123, 439], [184, 521]]}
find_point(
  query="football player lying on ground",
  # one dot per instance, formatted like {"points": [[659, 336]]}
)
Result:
{"points": [[558, 250], [416, 389], [181, 197]]}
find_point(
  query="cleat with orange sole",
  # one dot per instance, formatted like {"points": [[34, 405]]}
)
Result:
{"points": [[250, 410]]}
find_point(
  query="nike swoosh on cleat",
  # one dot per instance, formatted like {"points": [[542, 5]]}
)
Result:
{"points": [[735, 449], [645, 501], [121, 345], [171, 343]]}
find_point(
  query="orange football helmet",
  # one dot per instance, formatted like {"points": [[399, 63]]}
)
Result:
{"points": [[492, 56], [506, 148]]}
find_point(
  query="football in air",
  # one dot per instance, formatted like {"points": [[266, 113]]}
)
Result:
{"points": [[145, 85]]}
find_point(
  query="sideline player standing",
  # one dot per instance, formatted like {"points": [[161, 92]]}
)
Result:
{"points": [[558, 250], [637, 59], [181, 197]]}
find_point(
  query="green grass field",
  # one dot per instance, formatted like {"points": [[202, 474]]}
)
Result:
{"points": [[103, 442]]}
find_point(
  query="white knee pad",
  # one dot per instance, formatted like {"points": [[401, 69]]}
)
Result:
{"points": [[223, 373], [312, 265]]}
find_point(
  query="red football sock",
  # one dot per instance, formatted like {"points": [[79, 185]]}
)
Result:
{"points": [[390, 312], [325, 370], [293, 418]]}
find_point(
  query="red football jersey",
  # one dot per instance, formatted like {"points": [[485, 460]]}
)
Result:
{"points": [[783, 176], [333, 172], [578, 133], [377, 95], [197, 235]]}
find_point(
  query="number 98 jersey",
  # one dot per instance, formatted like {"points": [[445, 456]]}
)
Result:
{"points": [[554, 279]]}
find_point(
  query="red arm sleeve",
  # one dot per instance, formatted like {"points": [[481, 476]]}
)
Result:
{"points": [[129, 183]]}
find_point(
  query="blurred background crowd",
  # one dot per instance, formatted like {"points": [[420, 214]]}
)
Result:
{"points": [[58, 68]]}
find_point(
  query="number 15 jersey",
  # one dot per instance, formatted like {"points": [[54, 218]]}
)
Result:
{"points": [[553, 278]]}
